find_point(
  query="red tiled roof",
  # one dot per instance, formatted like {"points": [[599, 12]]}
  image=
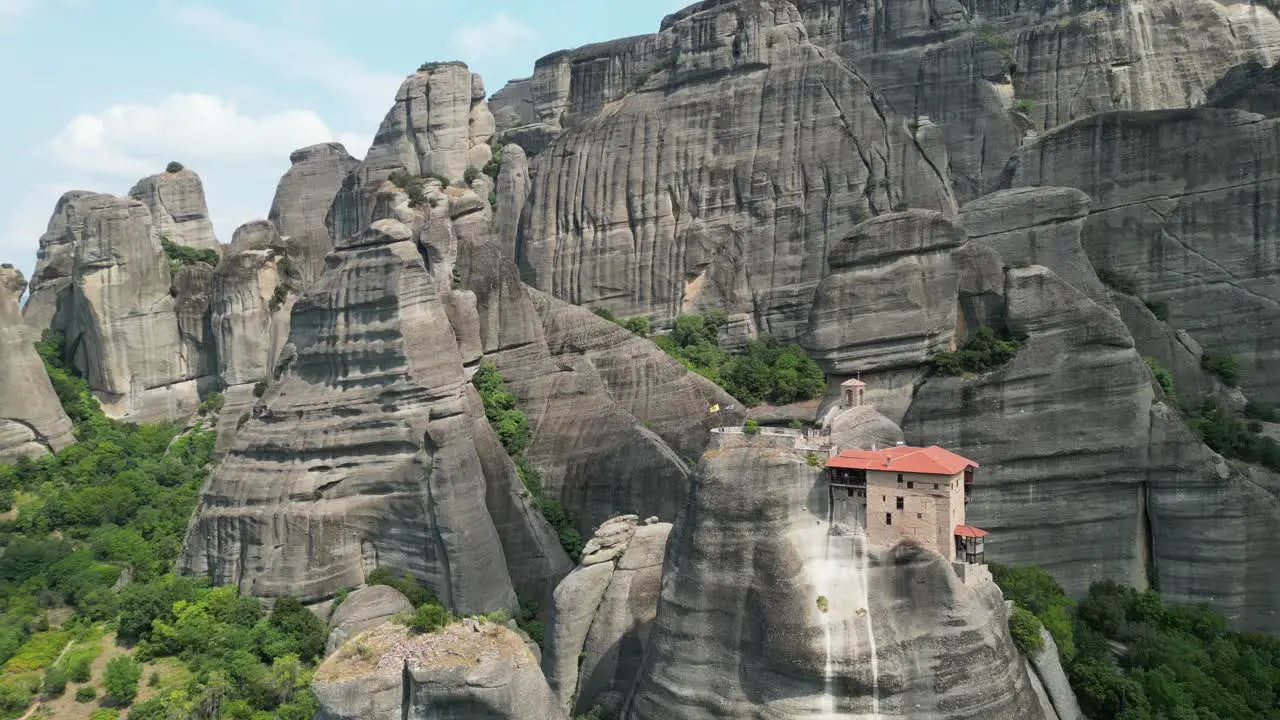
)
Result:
{"points": [[931, 460], [970, 531]]}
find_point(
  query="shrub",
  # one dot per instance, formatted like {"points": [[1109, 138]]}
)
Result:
{"points": [[121, 680], [1224, 365], [638, 325], [86, 694], [80, 670], [1034, 589], [1025, 629], [174, 167], [181, 255], [823, 605], [456, 276], [154, 679], [279, 296], [751, 427], [405, 583], [260, 388], [901, 207], [1024, 106], [1226, 434], [428, 618], [984, 351], [812, 460], [55, 682], [605, 313], [494, 166], [107, 714], [470, 175], [414, 187], [1162, 376], [213, 403], [1159, 308]]}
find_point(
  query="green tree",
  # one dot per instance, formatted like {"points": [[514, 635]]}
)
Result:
{"points": [[121, 679]]}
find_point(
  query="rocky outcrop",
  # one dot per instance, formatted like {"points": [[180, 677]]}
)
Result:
{"points": [[1203, 242], [740, 630], [440, 126], [599, 621], [512, 190], [120, 315], [178, 208], [55, 260], [467, 671], [362, 610], [302, 200], [32, 422], [253, 295], [1048, 668], [365, 451], [738, 214]]}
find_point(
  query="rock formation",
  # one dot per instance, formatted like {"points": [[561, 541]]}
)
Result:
{"points": [[253, 294], [178, 209], [468, 671], [648, 209], [302, 200], [599, 621], [741, 630], [1201, 242], [31, 419], [362, 610]]}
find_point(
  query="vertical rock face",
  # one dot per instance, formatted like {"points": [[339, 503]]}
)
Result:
{"points": [[363, 454], [601, 613], [467, 671], [440, 125], [178, 208], [252, 300], [648, 209], [302, 199], [739, 632], [964, 65], [120, 317], [55, 259], [1203, 241], [31, 419]]}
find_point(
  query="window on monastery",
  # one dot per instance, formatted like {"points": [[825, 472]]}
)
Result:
{"points": [[850, 492], [910, 485], [935, 486], [901, 504], [899, 477], [919, 516], [888, 518]]}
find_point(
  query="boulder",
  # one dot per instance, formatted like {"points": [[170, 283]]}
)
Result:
{"points": [[365, 608]]}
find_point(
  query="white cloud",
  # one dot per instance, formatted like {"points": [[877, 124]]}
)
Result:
{"points": [[135, 140], [500, 35], [297, 56]]}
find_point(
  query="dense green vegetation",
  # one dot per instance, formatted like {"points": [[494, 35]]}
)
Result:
{"points": [[1220, 428], [768, 371], [1132, 657], [182, 255], [512, 427], [173, 167], [985, 351], [1224, 365], [638, 325], [114, 507]]}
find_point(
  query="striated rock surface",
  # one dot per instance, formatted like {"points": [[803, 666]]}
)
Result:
{"points": [[739, 632], [1201, 241], [467, 671], [55, 259], [178, 208], [646, 205], [31, 418], [253, 296], [1048, 668], [302, 200], [599, 621], [365, 608], [364, 451], [438, 126]]}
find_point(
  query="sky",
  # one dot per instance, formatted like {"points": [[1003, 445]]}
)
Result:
{"points": [[100, 97]]}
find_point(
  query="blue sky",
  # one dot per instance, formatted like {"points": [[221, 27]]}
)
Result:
{"points": [[99, 96]]}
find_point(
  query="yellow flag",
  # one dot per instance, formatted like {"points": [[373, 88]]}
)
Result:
{"points": [[714, 408]]}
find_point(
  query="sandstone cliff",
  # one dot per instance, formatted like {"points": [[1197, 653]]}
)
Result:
{"points": [[651, 208], [740, 630], [31, 419], [178, 208], [302, 200]]}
